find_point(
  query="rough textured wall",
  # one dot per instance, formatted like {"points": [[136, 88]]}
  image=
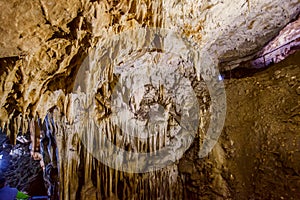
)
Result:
{"points": [[45, 43], [263, 118]]}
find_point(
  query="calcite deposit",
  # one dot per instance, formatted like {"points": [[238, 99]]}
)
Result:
{"points": [[124, 100]]}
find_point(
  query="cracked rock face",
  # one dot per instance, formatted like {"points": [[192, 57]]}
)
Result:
{"points": [[60, 59]]}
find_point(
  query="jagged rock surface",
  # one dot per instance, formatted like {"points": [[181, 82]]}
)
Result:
{"points": [[43, 49], [49, 40]]}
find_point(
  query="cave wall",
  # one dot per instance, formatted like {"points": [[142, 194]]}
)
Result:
{"points": [[42, 48], [45, 46], [256, 157]]}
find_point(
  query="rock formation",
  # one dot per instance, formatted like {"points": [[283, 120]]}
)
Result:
{"points": [[127, 100]]}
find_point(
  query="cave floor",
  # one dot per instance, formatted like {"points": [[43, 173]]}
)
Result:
{"points": [[260, 142]]}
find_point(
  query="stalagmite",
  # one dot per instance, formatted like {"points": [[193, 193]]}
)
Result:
{"points": [[124, 98]]}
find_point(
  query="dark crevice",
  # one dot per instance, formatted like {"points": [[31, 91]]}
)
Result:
{"points": [[80, 174], [58, 62], [56, 83], [66, 81], [44, 14], [243, 72], [58, 34], [74, 26], [31, 107], [68, 49], [10, 105], [7, 64], [76, 62], [234, 60]]}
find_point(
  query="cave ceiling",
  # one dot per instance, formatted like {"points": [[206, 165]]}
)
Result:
{"points": [[43, 43]]}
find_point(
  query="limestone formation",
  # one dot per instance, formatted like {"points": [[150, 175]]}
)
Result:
{"points": [[117, 87]]}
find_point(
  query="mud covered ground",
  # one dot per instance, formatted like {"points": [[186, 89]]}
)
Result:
{"points": [[258, 153], [263, 122]]}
